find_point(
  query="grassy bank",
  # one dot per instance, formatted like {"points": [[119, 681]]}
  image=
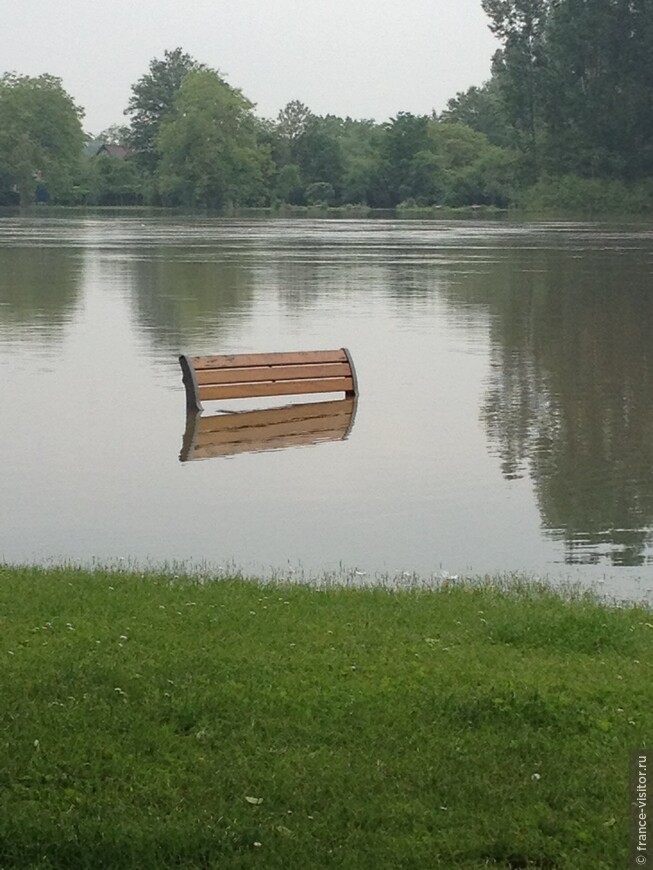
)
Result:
{"points": [[147, 723]]}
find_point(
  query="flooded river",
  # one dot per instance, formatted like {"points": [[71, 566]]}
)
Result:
{"points": [[504, 422]]}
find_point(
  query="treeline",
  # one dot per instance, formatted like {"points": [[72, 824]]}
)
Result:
{"points": [[565, 122]]}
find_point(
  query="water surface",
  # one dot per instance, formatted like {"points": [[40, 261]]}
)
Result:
{"points": [[505, 418]]}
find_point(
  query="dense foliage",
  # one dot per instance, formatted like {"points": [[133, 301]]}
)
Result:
{"points": [[576, 80], [565, 122], [152, 101], [40, 138]]}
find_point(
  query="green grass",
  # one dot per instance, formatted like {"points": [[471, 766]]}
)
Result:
{"points": [[151, 723]]}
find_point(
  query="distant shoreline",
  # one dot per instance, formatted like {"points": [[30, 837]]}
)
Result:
{"points": [[433, 213]]}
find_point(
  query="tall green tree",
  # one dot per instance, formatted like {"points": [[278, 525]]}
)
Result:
{"points": [[575, 81], [282, 136], [519, 64], [153, 100], [307, 150], [41, 136], [115, 134], [359, 146], [598, 100], [482, 109], [318, 154], [404, 138], [289, 185], [293, 120], [208, 147], [470, 170]]}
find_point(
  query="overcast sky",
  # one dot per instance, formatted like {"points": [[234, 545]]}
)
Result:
{"points": [[362, 58]]}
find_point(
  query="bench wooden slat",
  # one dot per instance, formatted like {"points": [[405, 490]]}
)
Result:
{"points": [[235, 376], [280, 388], [241, 360], [271, 373]]}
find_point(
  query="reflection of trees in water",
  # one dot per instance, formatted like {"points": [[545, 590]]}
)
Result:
{"points": [[183, 303], [570, 398], [39, 289], [303, 283]]}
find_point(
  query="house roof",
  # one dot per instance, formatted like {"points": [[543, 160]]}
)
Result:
{"points": [[98, 147], [112, 149]]}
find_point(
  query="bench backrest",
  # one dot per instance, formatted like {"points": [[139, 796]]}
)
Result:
{"points": [[209, 378]]}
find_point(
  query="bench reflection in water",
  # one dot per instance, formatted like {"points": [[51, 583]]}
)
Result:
{"points": [[269, 429]]}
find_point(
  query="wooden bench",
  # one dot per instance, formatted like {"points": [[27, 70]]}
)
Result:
{"points": [[209, 378], [296, 425]]}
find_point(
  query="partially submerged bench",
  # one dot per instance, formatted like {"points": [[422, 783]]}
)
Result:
{"points": [[235, 376], [296, 425]]}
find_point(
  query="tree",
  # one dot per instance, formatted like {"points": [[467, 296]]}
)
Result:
{"points": [[110, 181], [482, 109], [116, 134], [320, 193], [598, 100], [208, 148], [404, 137], [575, 78], [153, 100], [518, 66], [324, 149], [489, 179], [317, 153], [425, 178], [41, 136], [288, 185], [293, 120], [364, 181]]}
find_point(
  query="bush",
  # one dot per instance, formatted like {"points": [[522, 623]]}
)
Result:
{"points": [[320, 192], [587, 196]]}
